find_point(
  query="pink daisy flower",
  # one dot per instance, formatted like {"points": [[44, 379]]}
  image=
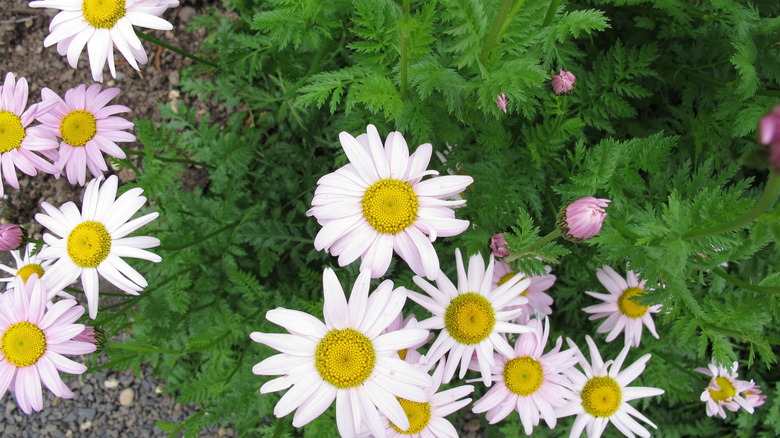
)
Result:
{"points": [[33, 341], [88, 128], [102, 25], [620, 308], [19, 142], [530, 381], [725, 390], [538, 300], [753, 395], [378, 204]]}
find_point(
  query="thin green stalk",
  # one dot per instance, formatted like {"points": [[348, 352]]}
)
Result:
{"points": [[405, 50], [172, 160], [534, 246], [550, 12], [771, 190], [182, 52], [496, 30], [198, 240], [743, 284], [79, 291], [142, 348]]}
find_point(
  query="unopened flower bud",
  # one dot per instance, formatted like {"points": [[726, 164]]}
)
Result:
{"points": [[92, 335], [582, 219], [769, 133], [501, 101], [563, 82], [498, 246], [11, 237]]}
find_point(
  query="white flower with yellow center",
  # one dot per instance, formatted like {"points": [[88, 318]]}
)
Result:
{"points": [[101, 25], [538, 300], [602, 394], [94, 240], [724, 390], [27, 264], [379, 204], [346, 359], [473, 316], [530, 381], [620, 307], [33, 341]]}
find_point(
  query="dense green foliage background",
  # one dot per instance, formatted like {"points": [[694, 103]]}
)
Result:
{"points": [[662, 121]]}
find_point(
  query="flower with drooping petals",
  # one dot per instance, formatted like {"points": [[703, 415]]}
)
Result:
{"points": [[725, 390], [623, 312], [530, 381], [473, 317], [502, 102], [602, 394], [769, 134], [102, 25], [538, 300], [499, 246], [344, 359], [378, 204], [10, 237], [27, 264], [563, 82], [19, 142], [582, 219], [88, 129], [94, 240], [753, 395], [33, 341]]}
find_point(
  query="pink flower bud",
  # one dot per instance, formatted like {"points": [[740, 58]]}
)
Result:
{"points": [[582, 219], [498, 246], [92, 335], [769, 133], [563, 82], [11, 237], [501, 101]]}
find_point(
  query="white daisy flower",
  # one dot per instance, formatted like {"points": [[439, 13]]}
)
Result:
{"points": [[379, 204], [28, 263], [473, 316], [538, 300], [346, 359], [94, 240], [620, 308], [101, 25], [724, 390], [602, 394]]}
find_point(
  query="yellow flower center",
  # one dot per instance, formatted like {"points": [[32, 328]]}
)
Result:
{"points": [[601, 396], [23, 344], [508, 277], [628, 306], [419, 414], [726, 390], [11, 131], [402, 353], [469, 318], [103, 14], [78, 127], [89, 244], [345, 358], [523, 375], [27, 270], [390, 206]]}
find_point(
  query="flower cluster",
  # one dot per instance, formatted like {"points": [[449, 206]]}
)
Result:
{"points": [[726, 391]]}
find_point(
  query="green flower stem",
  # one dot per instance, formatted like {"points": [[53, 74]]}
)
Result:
{"points": [[142, 348], [405, 50], [534, 246], [743, 284], [550, 12], [497, 30], [198, 240], [182, 52], [79, 291], [172, 160], [771, 190]]}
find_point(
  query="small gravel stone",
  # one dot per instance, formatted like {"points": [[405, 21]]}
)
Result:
{"points": [[85, 425], [87, 413], [126, 397], [87, 389], [111, 383], [9, 408]]}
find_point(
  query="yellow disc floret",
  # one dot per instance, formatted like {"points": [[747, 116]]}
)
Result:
{"points": [[523, 375], [469, 318], [27, 270], [419, 414], [23, 344], [601, 396], [78, 127], [11, 131], [508, 276], [103, 14], [628, 306], [390, 206], [726, 390], [89, 244], [345, 358]]}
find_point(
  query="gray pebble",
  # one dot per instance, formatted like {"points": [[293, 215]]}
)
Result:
{"points": [[87, 413]]}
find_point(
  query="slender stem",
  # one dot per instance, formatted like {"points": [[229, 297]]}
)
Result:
{"points": [[79, 291], [534, 246], [495, 31], [745, 285], [172, 160], [551, 10], [405, 50], [182, 52], [771, 190], [199, 240], [142, 348]]}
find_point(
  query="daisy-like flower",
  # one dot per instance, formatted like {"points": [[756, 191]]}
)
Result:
{"points": [[94, 240], [538, 300], [473, 316], [346, 359], [33, 341], [28, 264], [753, 395], [378, 204], [530, 381], [725, 390], [102, 25], [88, 128], [410, 322], [602, 394], [620, 308], [19, 142]]}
